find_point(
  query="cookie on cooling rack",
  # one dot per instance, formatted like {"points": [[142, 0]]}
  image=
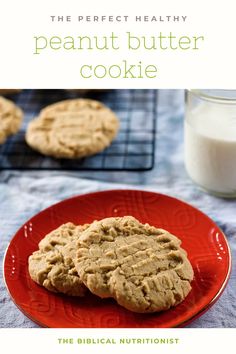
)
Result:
{"points": [[10, 119], [72, 129]]}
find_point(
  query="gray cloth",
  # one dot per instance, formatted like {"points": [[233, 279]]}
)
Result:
{"points": [[22, 194]]}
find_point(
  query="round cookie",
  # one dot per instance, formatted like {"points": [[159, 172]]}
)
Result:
{"points": [[52, 265], [10, 119], [72, 129], [140, 266]]}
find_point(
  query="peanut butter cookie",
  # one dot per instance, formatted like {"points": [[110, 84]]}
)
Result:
{"points": [[10, 119], [52, 265], [142, 267], [73, 129]]}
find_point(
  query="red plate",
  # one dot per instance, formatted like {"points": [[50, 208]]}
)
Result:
{"points": [[205, 243]]}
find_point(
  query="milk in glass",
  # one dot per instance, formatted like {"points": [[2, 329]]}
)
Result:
{"points": [[210, 146]]}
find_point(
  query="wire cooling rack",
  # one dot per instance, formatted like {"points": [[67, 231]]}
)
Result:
{"points": [[132, 150]]}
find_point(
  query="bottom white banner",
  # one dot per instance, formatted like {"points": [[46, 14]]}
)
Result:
{"points": [[104, 341]]}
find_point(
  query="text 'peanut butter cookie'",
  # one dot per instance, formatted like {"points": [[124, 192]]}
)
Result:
{"points": [[73, 129], [52, 265], [140, 266], [10, 119]]}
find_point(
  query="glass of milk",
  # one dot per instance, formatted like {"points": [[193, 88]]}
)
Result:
{"points": [[210, 140]]}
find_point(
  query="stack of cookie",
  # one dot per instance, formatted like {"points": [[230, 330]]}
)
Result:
{"points": [[142, 267]]}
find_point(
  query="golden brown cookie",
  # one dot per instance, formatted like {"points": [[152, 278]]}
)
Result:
{"points": [[52, 265], [140, 266], [10, 119], [73, 129]]}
